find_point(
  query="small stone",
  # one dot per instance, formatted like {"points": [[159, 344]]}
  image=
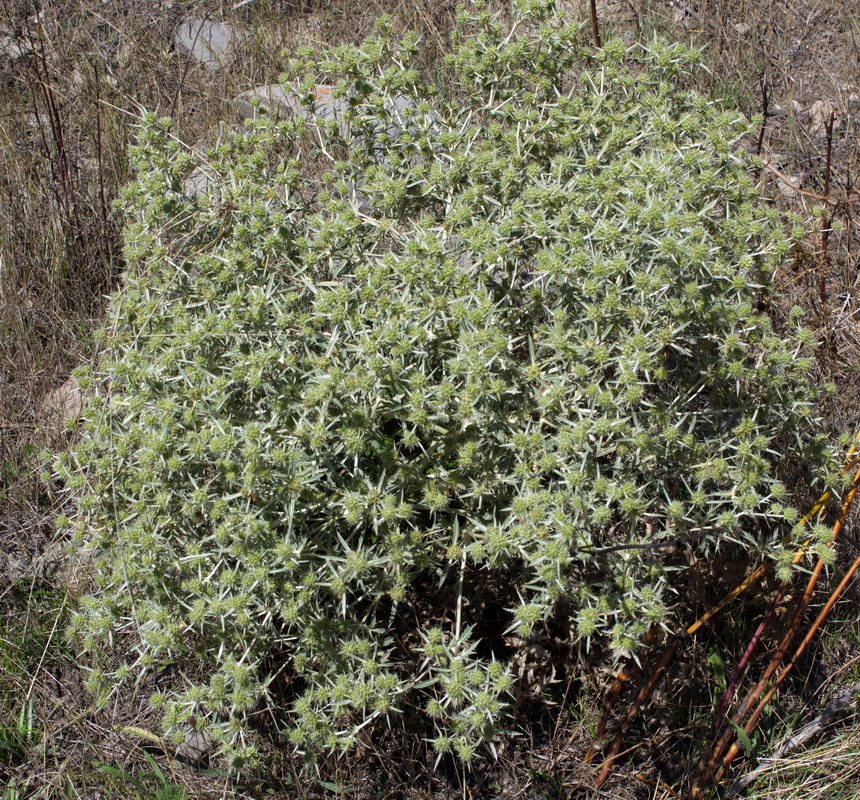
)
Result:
{"points": [[213, 44], [11, 568], [789, 187], [198, 183], [607, 10], [196, 747], [273, 98], [819, 113], [44, 19], [65, 566], [12, 48], [60, 406], [742, 28], [78, 80]]}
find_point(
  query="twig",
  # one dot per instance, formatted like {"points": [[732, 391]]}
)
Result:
{"points": [[805, 192], [645, 691], [826, 222], [765, 97], [753, 721], [595, 25], [796, 739]]}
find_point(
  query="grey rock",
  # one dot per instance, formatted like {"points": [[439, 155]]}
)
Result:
{"points": [[281, 103], [273, 98], [195, 748], [60, 406], [789, 187], [14, 49], [13, 569], [199, 183], [211, 43], [60, 564], [607, 10], [64, 565], [819, 113]]}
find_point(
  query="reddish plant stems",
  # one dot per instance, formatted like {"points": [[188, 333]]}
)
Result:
{"points": [[706, 765], [744, 662], [733, 750], [595, 25], [645, 691], [745, 659], [612, 696], [641, 697], [765, 97], [709, 770]]}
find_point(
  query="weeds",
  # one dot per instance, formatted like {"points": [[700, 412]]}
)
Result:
{"points": [[147, 785], [17, 740]]}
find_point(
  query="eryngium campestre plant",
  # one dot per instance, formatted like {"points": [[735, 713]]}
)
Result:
{"points": [[517, 345]]}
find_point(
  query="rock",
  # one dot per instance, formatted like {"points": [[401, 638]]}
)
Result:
{"points": [[13, 569], [849, 93], [60, 565], [78, 80], [273, 98], [43, 19], [60, 406], [64, 565], [276, 100], [789, 187], [742, 28], [14, 49], [819, 116], [279, 102], [198, 183], [213, 44], [196, 747], [401, 108]]}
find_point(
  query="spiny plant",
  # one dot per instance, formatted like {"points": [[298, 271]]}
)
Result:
{"points": [[506, 336]]}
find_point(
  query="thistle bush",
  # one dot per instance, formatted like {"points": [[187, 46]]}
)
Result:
{"points": [[506, 336]]}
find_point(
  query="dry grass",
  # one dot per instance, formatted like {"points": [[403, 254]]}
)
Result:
{"points": [[68, 106]]}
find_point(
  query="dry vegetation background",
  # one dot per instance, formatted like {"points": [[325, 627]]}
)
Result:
{"points": [[73, 78]]}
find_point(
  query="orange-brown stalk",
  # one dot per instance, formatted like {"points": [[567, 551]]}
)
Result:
{"points": [[644, 692], [621, 678], [753, 721], [707, 768]]}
